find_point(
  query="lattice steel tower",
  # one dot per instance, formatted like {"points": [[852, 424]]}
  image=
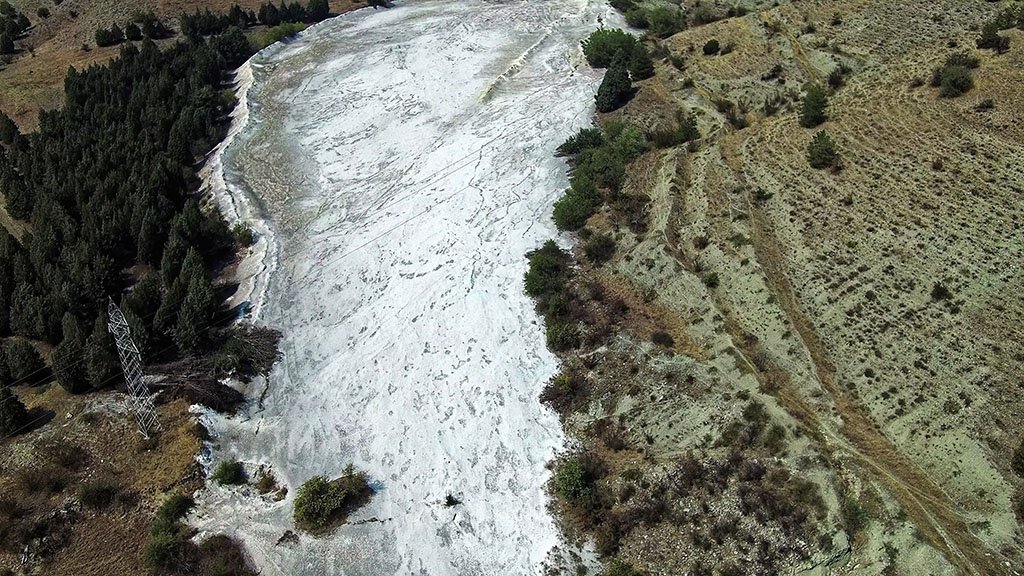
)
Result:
{"points": [[139, 399]]}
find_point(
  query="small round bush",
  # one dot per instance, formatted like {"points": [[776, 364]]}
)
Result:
{"points": [[954, 81], [711, 47], [230, 472]]}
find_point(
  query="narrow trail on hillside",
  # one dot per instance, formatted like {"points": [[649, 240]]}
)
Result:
{"points": [[925, 503]]}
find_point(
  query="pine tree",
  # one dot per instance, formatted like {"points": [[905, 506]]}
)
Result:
{"points": [[132, 31], [24, 362], [13, 415], [194, 316], [6, 44], [615, 89], [814, 106], [174, 254], [116, 34], [150, 240], [640, 65], [318, 10], [167, 314], [68, 357], [8, 129], [144, 298], [821, 152], [100, 354]]}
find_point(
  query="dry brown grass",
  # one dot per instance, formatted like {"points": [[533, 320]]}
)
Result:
{"points": [[102, 539]]}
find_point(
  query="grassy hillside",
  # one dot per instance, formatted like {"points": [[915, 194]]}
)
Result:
{"points": [[33, 78], [869, 309]]}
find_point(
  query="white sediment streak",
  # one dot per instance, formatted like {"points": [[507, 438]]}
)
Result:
{"points": [[401, 205]]}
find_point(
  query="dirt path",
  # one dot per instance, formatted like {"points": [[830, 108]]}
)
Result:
{"points": [[925, 503]]}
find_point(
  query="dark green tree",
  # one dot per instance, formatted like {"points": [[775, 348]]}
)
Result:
{"points": [[145, 297], [101, 362], [711, 47], [13, 415], [640, 65], [821, 152], [132, 31], [602, 46], [194, 316], [68, 357], [616, 88], [813, 108], [25, 364], [8, 129], [6, 44], [318, 10]]}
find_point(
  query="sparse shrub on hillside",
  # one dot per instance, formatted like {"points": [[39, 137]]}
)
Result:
{"points": [[637, 18], [954, 81], [616, 88], [600, 248], [230, 472], [619, 568], [662, 338], [813, 108], [837, 77], [678, 62], [1017, 463], [704, 14], [98, 494], [711, 47], [685, 131], [640, 65], [664, 21], [991, 39], [603, 45], [953, 78], [43, 12], [821, 152]]}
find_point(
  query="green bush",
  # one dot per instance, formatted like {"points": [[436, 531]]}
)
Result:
{"points": [[175, 508], [616, 88], [600, 248], [560, 336], [321, 502], [277, 33], [573, 481], [813, 108], [954, 81], [98, 494], [548, 272], [602, 45], [230, 472], [665, 21], [637, 18], [168, 546], [711, 47], [619, 568], [572, 210], [585, 139], [821, 152], [640, 65]]}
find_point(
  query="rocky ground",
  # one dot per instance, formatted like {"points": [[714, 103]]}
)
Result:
{"points": [[870, 311]]}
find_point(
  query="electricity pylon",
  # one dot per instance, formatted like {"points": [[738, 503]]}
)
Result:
{"points": [[139, 399]]}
